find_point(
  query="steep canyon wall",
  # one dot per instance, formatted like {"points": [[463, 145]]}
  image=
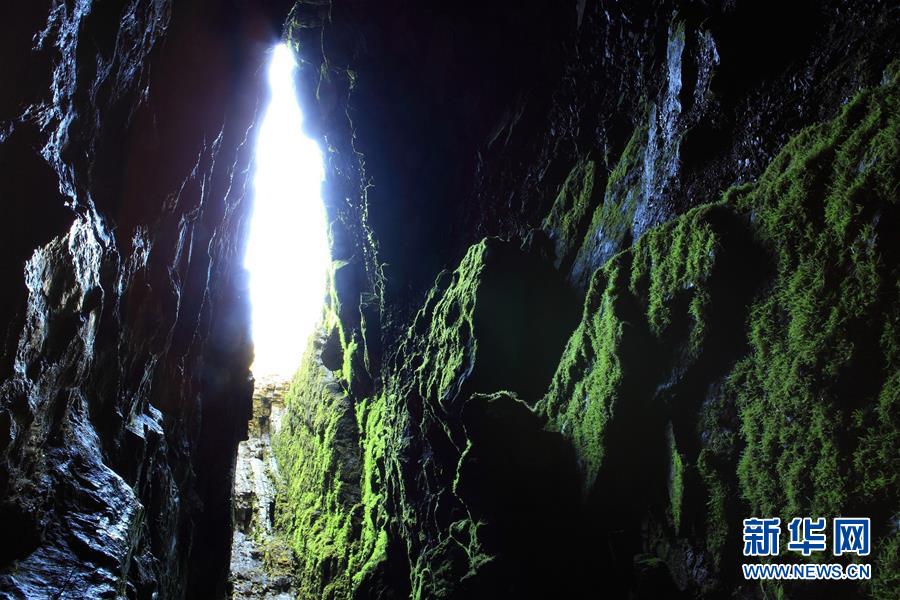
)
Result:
{"points": [[125, 141], [668, 300], [608, 277]]}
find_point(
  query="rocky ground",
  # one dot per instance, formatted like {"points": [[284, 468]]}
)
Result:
{"points": [[261, 562]]}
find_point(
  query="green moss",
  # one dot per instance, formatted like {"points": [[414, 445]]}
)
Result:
{"points": [[717, 521], [716, 467], [811, 444], [440, 350], [371, 549], [321, 503], [447, 346], [817, 393], [804, 421], [610, 227], [350, 357], [670, 260], [676, 480], [278, 556], [571, 212], [816, 208], [584, 389], [886, 570], [674, 258], [677, 31], [339, 456]]}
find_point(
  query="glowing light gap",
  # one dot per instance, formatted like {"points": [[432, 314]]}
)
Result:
{"points": [[287, 252]]}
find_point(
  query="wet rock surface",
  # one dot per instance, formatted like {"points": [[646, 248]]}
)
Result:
{"points": [[608, 277], [699, 177], [261, 560], [125, 366], [487, 115]]}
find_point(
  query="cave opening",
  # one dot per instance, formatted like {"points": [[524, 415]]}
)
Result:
{"points": [[287, 258], [287, 251]]}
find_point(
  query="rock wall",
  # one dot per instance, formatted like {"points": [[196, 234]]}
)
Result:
{"points": [[607, 278], [262, 561], [668, 298], [125, 141]]}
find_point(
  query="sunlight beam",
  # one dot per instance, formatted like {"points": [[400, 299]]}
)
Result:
{"points": [[287, 252]]}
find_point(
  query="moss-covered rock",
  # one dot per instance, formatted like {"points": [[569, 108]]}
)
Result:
{"points": [[732, 359], [571, 213], [739, 360], [817, 393], [611, 224], [764, 329], [320, 461], [396, 487]]}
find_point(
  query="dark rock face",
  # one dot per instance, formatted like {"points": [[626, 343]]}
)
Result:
{"points": [[125, 145], [608, 277], [468, 122], [715, 181], [397, 494]]}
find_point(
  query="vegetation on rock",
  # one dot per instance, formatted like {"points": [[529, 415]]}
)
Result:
{"points": [[742, 359], [803, 419]]}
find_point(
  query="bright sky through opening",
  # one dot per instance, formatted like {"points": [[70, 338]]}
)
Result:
{"points": [[287, 253]]}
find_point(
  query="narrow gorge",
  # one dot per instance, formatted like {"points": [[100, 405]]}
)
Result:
{"points": [[603, 282]]}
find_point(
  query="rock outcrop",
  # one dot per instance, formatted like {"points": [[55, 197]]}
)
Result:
{"points": [[669, 299], [262, 562], [608, 277], [125, 147]]}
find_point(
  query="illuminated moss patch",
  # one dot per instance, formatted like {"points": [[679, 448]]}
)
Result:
{"points": [[805, 418], [740, 360], [571, 213]]}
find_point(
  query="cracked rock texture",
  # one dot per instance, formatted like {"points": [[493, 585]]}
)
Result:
{"points": [[608, 278], [124, 151], [261, 561]]}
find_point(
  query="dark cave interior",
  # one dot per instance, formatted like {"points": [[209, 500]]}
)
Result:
{"points": [[607, 278]]}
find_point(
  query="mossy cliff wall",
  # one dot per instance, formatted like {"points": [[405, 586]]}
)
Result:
{"points": [[743, 358], [669, 298]]}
